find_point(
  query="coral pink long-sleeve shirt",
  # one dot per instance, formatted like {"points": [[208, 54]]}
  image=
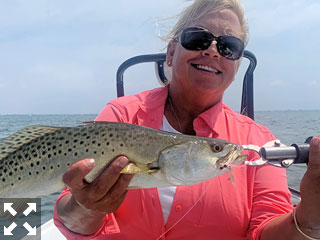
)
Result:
{"points": [[225, 211]]}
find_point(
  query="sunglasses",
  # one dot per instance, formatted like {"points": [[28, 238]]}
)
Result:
{"points": [[198, 39]]}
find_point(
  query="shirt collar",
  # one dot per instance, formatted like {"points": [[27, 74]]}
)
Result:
{"points": [[209, 123], [152, 107], [214, 118]]}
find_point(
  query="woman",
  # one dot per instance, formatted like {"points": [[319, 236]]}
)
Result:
{"points": [[204, 52]]}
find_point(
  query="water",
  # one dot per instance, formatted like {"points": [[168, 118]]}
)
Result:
{"points": [[289, 126]]}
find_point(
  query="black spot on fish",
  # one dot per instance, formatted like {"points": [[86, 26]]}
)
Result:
{"points": [[19, 178], [66, 142], [31, 165], [93, 142], [87, 150], [59, 151], [108, 143], [3, 179], [21, 167], [111, 135], [49, 155], [37, 172], [81, 142], [95, 152], [51, 167], [75, 141], [58, 165], [54, 147], [30, 173], [38, 163], [102, 153], [75, 154], [69, 150], [44, 168], [10, 173]]}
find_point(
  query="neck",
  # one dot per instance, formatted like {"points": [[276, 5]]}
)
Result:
{"points": [[182, 108]]}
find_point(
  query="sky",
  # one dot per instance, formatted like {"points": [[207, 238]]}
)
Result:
{"points": [[59, 57]]}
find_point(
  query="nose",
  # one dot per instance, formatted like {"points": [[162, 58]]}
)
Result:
{"points": [[212, 50]]}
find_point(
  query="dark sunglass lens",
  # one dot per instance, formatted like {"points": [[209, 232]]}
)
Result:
{"points": [[195, 39], [230, 47]]}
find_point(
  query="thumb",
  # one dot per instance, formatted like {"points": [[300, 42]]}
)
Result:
{"points": [[75, 174], [314, 154]]}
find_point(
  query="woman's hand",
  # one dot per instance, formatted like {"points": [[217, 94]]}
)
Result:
{"points": [[83, 210], [308, 211]]}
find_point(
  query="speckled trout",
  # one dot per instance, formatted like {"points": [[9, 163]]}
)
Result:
{"points": [[34, 159]]}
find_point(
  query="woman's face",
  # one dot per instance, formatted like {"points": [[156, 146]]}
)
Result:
{"points": [[206, 71]]}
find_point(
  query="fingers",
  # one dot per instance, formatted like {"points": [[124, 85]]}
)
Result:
{"points": [[75, 174], [111, 178], [104, 194], [314, 154]]}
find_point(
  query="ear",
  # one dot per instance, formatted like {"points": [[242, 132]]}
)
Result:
{"points": [[170, 52]]}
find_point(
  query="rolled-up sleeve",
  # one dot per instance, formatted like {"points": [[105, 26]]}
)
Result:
{"points": [[271, 198]]}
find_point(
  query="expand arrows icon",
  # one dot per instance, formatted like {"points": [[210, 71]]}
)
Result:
{"points": [[8, 207], [32, 207], [31, 230], [7, 231]]}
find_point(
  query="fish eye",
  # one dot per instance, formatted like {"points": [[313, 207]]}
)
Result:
{"points": [[217, 147]]}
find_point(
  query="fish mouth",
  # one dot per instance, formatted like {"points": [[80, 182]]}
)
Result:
{"points": [[233, 158]]}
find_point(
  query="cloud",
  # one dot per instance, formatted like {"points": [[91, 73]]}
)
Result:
{"points": [[314, 83], [59, 77], [267, 21], [276, 83]]}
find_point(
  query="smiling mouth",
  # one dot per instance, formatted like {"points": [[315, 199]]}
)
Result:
{"points": [[206, 68]]}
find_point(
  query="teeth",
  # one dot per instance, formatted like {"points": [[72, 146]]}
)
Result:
{"points": [[207, 68]]}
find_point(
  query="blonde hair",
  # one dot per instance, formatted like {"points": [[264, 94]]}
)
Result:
{"points": [[201, 7]]}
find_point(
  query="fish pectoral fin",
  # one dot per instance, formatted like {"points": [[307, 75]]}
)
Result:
{"points": [[132, 169]]}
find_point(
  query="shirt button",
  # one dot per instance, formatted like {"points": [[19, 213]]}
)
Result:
{"points": [[178, 207]]}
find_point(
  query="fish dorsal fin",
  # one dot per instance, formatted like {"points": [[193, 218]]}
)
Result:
{"points": [[25, 135]]}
